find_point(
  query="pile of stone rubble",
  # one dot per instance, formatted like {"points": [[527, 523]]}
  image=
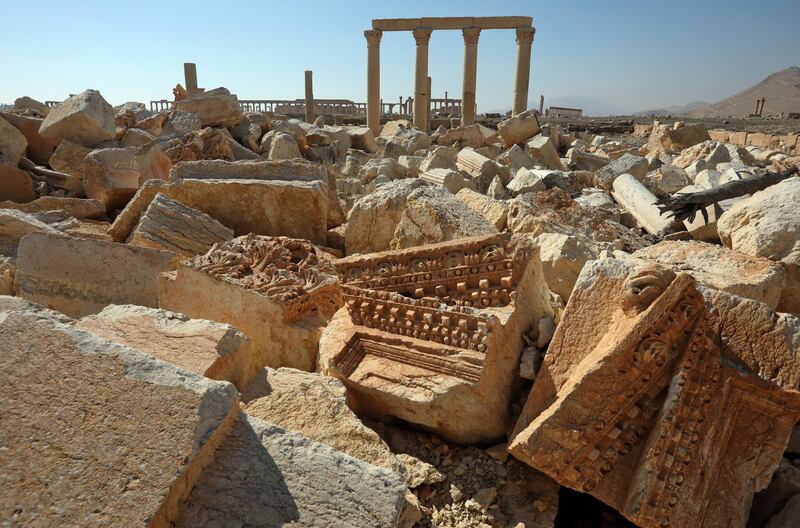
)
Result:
{"points": [[218, 318]]}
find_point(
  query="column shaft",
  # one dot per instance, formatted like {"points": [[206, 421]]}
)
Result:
{"points": [[521, 79], [470, 75], [310, 110], [373, 37], [190, 76], [422, 37]]}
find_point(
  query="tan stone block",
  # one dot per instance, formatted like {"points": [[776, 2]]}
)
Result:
{"points": [[216, 107], [74, 207], [39, 148], [541, 149], [86, 119], [16, 185]]}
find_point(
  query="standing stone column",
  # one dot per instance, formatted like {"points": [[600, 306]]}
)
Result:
{"points": [[310, 111], [470, 75], [373, 37], [524, 41], [190, 76], [421, 97]]}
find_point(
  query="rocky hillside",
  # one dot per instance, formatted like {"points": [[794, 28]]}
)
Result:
{"points": [[781, 90]]}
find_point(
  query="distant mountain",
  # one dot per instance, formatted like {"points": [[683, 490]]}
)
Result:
{"points": [[781, 91], [675, 109], [590, 105]]}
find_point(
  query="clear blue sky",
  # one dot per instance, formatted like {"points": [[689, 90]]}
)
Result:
{"points": [[635, 54]]}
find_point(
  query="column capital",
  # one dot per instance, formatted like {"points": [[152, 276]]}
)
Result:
{"points": [[525, 35], [422, 36], [373, 37], [471, 35]]}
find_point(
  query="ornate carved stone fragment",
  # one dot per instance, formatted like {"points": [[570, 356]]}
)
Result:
{"points": [[645, 402]]}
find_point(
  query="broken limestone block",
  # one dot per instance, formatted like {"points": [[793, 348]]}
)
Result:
{"points": [[580, 160], [481, 168], [718, 267], [669, 179], [519, 128], [640, 202], [450, 179], [86, 119], [439, 158], [515, 158], [39, 149], [362, 138], [74, 207], [90, 274], [279, 291], [136, 137], [7, 270], [12, 144], [264, 475], [292, 208], [463, 136], [495, 211], [687, 395], [16, 185], [29, 103], [388, 168], [180, 123], [279, 146], [434, 215], [171, 226], [525, 181], [315, 406], [675, 140], [433, 334], [541, 149], [113, 175], [563, 257], [16, 224], [69, 158], [214, 350], [767, 224], [216, 107], [497, 190], [97, 433], [636, 166], [373, 218]]}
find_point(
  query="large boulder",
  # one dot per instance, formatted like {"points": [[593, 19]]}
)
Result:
{"points": [[69, 158], [518, 128], [113, 175], [636, 166], [16, 224], [39, 148], [86, 119], [216, 107], [767, 224], [495, 211], [542, 150], [563, 257], [12, 144], [374, 217]]}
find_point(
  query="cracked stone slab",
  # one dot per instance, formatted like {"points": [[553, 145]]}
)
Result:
{"points": [[96, 433]]}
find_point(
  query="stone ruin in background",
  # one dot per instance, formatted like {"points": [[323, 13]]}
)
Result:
{"points": [[433, 334], [653, 399]]}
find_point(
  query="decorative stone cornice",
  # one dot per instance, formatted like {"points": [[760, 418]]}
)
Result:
{"points": [[422, 36]]}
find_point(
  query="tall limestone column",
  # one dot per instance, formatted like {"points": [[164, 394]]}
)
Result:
{"points": [[373, 37], [190, 77], [470, 75], [524, 41], [310, 97], [421, 97]]}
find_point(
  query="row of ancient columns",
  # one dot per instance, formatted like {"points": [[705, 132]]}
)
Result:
{"points": [[422, 81]]}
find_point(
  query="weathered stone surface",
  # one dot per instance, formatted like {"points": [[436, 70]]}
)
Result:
{"points": [[217, 107], [69, 158], [382, 169], [373, 218], [563, 257], [278, 291], [767, 224], [720, 268], [463, 136], [362, 138], [636, 166], [525, 181], [293, 208], [679, 376], [315, 406], [90, 274], [113, 175], [481, 168], [518, 128], [96, 433], [29, 103], [74, 207], [278, 145], [16, 224], [439, 158], [495, 211], [440, 352], [208, 348], [12, 144], [266, 476], [136, 137], [171, 226], [7, 270], [296, 170], [669, 179], [677, 139], [434, 215], [450, 179], [16, 185], [580, 160], [640, 202], [86, 119], [39, 148], [541, 149], [181, 122]]}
